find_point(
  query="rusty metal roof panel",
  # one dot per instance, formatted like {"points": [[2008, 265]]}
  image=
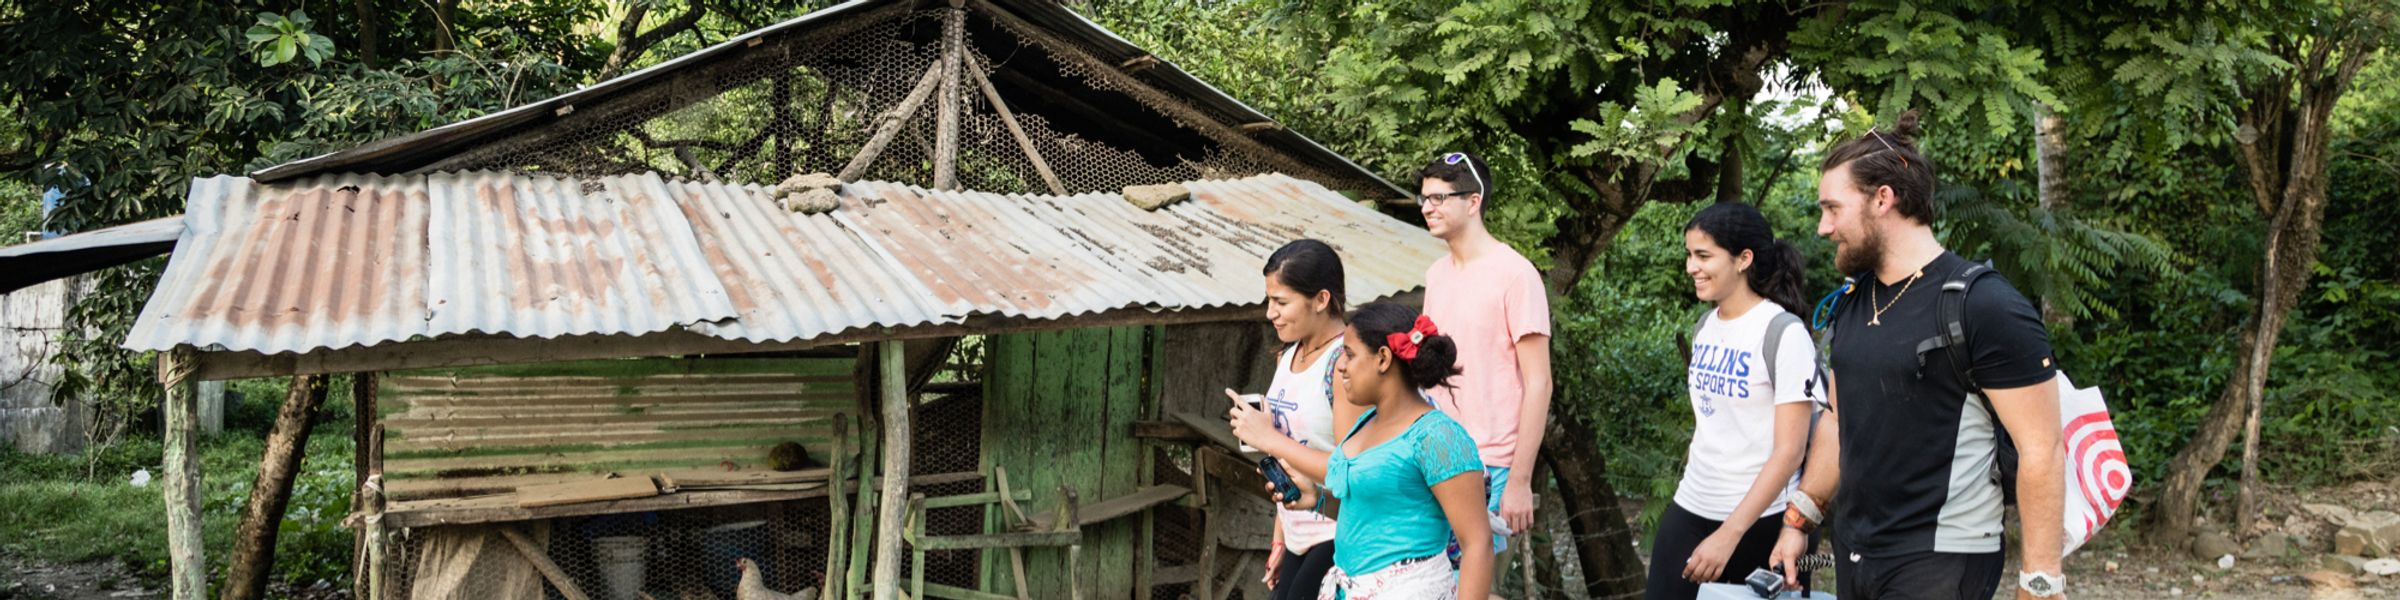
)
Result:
{"points": [[321, 262], [543, 257], [335, 262], [795, 276]]}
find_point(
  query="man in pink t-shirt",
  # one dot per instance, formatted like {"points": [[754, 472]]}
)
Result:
{"points": [[1490, 300]]}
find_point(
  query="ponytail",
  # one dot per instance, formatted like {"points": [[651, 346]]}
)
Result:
{"points": [[1780, 275]]}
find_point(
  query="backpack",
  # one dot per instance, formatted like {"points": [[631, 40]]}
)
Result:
{"points": [[2097, 474]]}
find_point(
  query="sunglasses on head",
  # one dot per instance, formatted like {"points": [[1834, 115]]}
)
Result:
{"points": [[1452, 159]]}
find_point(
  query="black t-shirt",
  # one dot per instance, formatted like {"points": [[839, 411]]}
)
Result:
{"points": [[1917, 449]]}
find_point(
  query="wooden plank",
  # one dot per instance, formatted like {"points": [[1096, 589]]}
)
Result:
{"points": [[503, 508], [440, 419], [704, 477], [936, 590], [420, 442], [1110, 509], [586, 491], [541, 562], [1169, 431], [1216, 430], [1111, 549], [1014, 539], [1232, 473]]}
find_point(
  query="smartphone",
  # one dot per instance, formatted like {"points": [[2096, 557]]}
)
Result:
{"points": [[1256, 402], [1285, 490]]}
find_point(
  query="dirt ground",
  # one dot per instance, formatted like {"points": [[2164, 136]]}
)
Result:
{"points": [[2109, 568]]}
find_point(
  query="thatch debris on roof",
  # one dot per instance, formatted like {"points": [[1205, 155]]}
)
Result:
{"points": [[1154, 197], [810, 193]]}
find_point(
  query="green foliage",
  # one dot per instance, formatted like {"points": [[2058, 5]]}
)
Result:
{"points": [[277, 39]]}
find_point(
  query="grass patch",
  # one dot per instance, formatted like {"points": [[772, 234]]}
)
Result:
{"points": [[54, 513]]}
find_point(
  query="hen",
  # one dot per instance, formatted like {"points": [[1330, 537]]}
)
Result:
{"points": [[754, 587]]}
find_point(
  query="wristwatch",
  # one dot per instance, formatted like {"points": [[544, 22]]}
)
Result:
{"points": [[2041, 585]]}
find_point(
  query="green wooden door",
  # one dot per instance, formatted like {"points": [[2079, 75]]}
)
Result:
{"points": [[1059, 408]]}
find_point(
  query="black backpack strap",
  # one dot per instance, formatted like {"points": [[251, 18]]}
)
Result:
{"points": [[1951, 326]]}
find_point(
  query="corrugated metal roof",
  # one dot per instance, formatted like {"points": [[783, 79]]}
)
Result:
{"points": [[343, 261], [32, 263]]}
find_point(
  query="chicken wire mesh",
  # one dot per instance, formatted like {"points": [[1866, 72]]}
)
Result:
{"points": [[810, 103], [690, 554]]}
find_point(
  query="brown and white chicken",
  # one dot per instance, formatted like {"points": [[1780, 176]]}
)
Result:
{"points": [[754, 586]]}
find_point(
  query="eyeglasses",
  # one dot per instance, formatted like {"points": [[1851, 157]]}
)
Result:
{"points": [[1436, 200]]}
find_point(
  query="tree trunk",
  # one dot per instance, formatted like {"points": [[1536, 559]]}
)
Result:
{"points": [[369, 35], [445, 23], [253, 555], [2050, 167], [1603, 539], [1579, 243], [2293, 199]]}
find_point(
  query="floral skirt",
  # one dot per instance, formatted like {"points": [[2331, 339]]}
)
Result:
{"points": [[1429, 578]]}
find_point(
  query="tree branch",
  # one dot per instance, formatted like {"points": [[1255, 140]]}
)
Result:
{"points": [[631, 46]]}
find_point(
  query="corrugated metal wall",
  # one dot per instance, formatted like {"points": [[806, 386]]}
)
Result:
{"points": [[458, 432]]}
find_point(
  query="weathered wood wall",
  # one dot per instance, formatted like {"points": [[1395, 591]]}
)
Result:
{"points": [[1059, 408], [487, 429]]}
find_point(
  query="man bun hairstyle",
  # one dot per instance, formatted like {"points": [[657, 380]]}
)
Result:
{"points": [[1436, 359], [1309, 266], [1888, 157], [1464, 171], [1777, 271]]}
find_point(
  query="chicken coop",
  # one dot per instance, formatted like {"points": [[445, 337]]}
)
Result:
{"points": [[913, 297]]}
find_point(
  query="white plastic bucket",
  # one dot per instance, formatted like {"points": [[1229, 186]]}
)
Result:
{"points": [[621, 564]]}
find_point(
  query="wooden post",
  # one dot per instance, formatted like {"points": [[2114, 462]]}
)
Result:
{"points": [[1024, 142], [945, 131], [837, 501], [362, 425], [895, 471], [1208, 522], [187, 560], [892, 122], [262, 518]]}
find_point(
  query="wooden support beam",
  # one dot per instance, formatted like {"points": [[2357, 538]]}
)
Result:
{"points": [[891, 124], [837, 535], [541, 562], [1138, 63], [945, 129], [362, 425], [895, 471], [187, 559], [1024, 142], [1260, 126]]}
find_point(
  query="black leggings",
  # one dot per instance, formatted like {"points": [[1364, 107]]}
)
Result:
{"points": [[1680, 532], [1299, 575]]}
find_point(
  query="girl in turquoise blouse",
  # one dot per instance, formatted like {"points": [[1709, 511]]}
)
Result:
{"points": [[1404, 479]]}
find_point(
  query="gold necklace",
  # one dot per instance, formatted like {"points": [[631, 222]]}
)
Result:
{"points": [[1873, 299]]}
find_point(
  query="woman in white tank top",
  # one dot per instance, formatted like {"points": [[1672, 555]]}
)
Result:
{"points": [[1304, 303]]}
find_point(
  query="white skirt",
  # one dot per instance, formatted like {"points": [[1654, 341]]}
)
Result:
{"points": [[1429, 578]]}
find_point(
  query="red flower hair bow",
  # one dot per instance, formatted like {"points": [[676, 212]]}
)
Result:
{"points": [[1404, 344]]}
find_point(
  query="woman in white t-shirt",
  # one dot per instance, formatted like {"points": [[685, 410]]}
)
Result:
{"points": [[1751, 417], [1304, 303]]}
